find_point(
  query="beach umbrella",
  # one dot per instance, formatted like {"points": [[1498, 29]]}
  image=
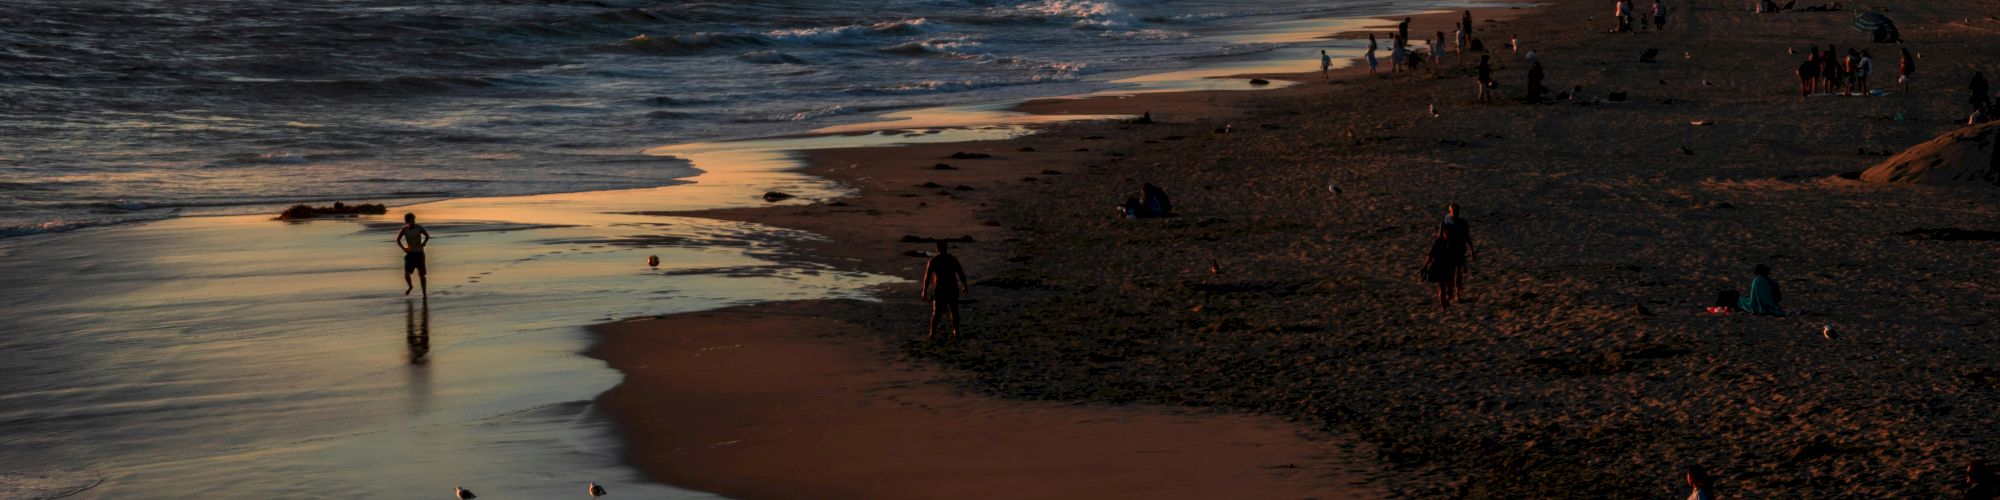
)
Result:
{"points": [[1871, 21]]}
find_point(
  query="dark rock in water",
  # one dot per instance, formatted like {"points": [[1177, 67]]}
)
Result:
{"points": [[961, 155], [1852, 176], [1259, 81], [1027, 149], [837, 204], [962, 188], [911, 238], [929, 185], [1722, 205], [944, 166], [337, 210], [1051, 172], [776, 196]]}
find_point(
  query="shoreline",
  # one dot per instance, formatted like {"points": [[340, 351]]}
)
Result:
{"points": [[898, 194], [1578, 368]]}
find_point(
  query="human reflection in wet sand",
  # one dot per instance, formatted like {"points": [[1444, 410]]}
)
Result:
{"points": [[417, 330]]}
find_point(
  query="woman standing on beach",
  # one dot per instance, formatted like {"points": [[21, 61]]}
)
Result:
{"points": [[1371, 54], [1437, 53], [1485, 80]]}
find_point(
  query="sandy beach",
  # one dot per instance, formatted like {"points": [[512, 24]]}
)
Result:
{"points": [[1581, 363]]}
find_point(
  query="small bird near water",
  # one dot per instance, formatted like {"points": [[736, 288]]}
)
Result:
{"points": [[462, 493], [595, 490]]}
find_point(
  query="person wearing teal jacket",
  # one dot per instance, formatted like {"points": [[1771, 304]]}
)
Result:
{"points": [[1764, 295]]}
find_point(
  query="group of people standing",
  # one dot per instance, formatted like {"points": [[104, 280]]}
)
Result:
{"points": [[1830, 72], [1401, 57], [1624, 14]]}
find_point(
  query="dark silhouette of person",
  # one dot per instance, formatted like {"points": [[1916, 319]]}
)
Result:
{"points": [[1485, 72], [1450, 252], [1403, 33], [1764, 297], [944, 286], [1459, 232], [1535, 76], [1979, 482], [417, 331], [412, 239], [1981, 91], [1703, 485], [1442, 269]]}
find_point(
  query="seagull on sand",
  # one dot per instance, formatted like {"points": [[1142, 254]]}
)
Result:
{"points": [[595, 490], [462, 493]]}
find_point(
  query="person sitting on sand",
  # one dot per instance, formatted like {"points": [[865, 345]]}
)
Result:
{"points": [[944, 285], [1703, 485], [412, 239], [1764, 298], [1151, 202]]}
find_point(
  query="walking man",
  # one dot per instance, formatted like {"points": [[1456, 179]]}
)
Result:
{"points": [[944, 285]]}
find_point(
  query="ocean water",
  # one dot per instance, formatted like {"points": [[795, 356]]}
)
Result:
{"points": [[215, 353], [120, 110]]}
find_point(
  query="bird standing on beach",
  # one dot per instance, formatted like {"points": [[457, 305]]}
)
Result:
{"points": [[462, 493], [595, 490], [1434, 111]]}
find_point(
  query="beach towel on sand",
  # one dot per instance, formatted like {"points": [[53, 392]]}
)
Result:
{"points": [[1762, 299]]}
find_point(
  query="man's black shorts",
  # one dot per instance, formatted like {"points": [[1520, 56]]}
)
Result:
{"points": [[414, 261]]}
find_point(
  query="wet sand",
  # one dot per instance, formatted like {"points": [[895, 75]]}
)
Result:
{"points": [[785, 401], [1580, 365]]}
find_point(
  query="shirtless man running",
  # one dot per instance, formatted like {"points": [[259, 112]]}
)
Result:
{"points": [[412, 239]]}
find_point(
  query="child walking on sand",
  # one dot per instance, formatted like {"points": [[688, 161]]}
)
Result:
{"points": [[1371, 54], [1325, 64]]}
